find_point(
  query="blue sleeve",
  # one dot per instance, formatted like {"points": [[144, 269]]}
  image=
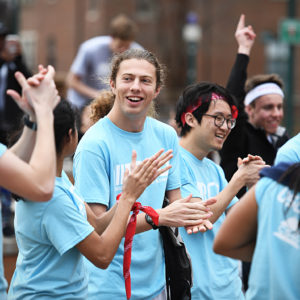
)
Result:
{"points": [[188, 185], [91, 177], [64, 224], [2, 149], [174, 173], [224, 183], [283, 156]]}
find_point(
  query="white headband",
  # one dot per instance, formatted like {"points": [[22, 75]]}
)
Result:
{"points": [[261, 90]]}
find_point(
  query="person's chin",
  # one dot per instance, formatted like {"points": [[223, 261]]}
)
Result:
{"points": [[271, 130], [217, 147]]}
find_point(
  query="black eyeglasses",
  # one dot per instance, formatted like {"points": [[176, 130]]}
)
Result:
{"points": [[219, 121]]}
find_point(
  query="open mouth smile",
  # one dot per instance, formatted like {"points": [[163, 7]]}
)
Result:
{"points": [[135, 99]]}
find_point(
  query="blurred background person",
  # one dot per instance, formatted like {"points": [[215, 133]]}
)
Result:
{"points": [[10, 62], [260, 106], [89, 70]]}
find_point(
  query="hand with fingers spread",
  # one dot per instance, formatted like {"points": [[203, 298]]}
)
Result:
{"points": [[245, 36], [140, 176], [184, 212]]}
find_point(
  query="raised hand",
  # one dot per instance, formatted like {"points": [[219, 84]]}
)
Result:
{"points": [[245, 36], [140, 176], [249, 168], [36, 99]]}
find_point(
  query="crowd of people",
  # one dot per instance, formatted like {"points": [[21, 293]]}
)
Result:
{"points": [[70, 235]]}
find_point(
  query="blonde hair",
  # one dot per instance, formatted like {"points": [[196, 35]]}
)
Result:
{"points": [[101, 105]]}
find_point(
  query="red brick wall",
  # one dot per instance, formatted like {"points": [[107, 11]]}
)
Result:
{"points": [[161, 32]]}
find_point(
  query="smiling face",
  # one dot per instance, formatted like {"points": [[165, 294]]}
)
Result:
{"points": [[134, 89], [207, 135], [267, 112]]}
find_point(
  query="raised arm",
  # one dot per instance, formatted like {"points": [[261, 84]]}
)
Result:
{"points": [[27, 170], [232, 149], [245, 37]]}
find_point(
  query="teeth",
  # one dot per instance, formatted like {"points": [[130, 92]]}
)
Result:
{"points": [[220, 136], [135, 99]]}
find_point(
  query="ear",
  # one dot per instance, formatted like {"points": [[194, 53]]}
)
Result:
{"points": [[249, 110], [112, 86], [70, 133], [190, 120], [157, 92], [68, 136]]}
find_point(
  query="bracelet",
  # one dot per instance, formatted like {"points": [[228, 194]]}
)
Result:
{"points": [[150, 222], [30, 124]]}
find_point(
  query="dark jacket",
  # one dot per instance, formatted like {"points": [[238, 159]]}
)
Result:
{"points": [[10, 113], [244, 138]]}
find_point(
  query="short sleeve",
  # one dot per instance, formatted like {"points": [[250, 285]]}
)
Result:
{"points": [[91, 177], [188, 185], [224, 183], [285, 156], [174, 172], [64, 224]]}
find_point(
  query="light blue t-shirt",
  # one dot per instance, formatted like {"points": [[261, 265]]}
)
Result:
{"points": [[290, 151], [92, 64], [100, 160], [49, 266], [3, 283], [275, 268], [214, 276]]}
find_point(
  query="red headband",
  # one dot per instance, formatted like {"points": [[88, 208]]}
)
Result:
{"points": [[214, 96]]}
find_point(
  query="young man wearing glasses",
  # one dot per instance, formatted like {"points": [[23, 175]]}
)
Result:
{"points": [[206, 114]]}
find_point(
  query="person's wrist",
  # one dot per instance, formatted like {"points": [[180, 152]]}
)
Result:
{"points": [[239, 178], [244, 50], [150, 222], [125, 200], [29, 123], [32, 117]]}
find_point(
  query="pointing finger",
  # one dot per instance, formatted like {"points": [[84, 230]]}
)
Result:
{"points": [[241, 23]]}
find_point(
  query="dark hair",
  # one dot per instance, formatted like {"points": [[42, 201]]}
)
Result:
{"points": [[292, 177], [190, 96], [123, 28], [140, 55], [65, 118]]}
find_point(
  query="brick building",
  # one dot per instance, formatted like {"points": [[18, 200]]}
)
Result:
{"points": [[52, 30]]}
